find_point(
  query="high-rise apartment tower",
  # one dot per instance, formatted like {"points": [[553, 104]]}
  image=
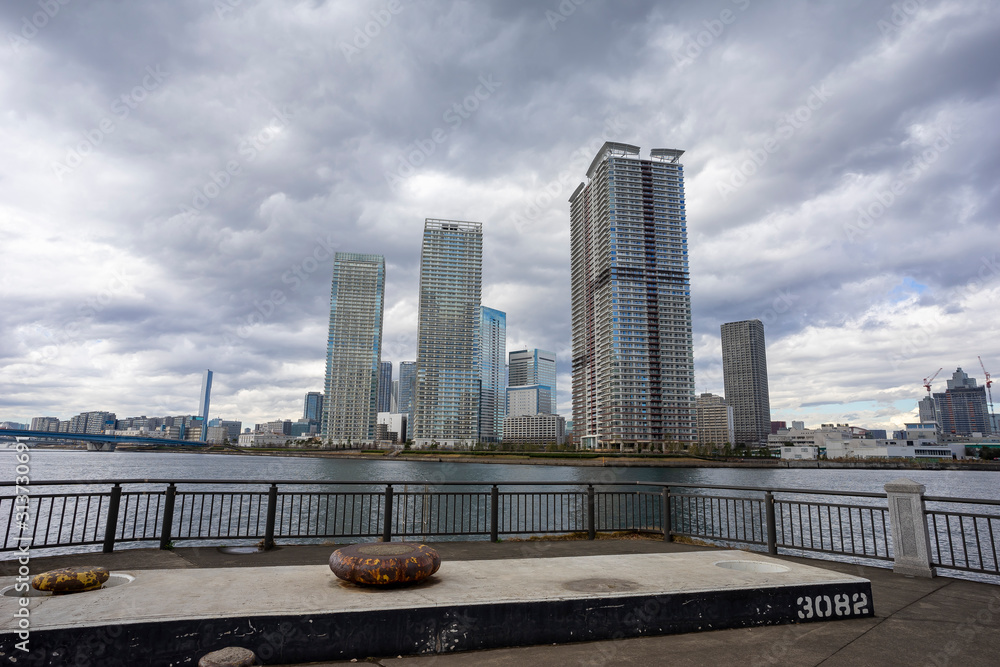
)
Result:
{"points": [[407, 387], [446, 411], [385, 386], [492, 352], [352, 354], [744, 373], [962, 409], [633, 363]]}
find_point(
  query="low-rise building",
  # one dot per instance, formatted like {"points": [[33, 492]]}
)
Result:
{"points": [[799, 452], [829, 439], [542, 429], [394, 422], [263, 439]]}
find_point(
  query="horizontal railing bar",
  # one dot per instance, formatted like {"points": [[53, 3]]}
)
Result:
{"points": [[323, 482], [971, 501], [815, 492], [818, 492], [806, 503], [299, 482]]}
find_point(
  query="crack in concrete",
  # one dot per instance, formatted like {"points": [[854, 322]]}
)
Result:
{"points": [[881, 621]]}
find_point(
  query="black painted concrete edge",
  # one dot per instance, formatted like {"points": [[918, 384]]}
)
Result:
{"points": [[345, 635]]}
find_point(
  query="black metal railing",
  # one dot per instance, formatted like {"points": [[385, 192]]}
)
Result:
{"points": [[963, 533]]}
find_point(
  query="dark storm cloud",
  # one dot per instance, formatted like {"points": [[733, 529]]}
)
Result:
{"points": [[218, 154]]}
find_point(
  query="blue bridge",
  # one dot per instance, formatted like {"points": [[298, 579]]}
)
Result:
{"points": [[100, 440]]}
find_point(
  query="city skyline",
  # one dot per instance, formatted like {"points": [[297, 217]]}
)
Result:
{"points": [[170, 205]]}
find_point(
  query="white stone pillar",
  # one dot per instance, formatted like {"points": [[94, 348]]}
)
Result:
{"points": [[910, 541]]}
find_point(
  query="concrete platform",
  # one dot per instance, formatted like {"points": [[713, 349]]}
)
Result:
{"points": [[302, 613]]}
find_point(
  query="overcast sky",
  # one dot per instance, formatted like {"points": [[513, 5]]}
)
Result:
{"points": [[174, 177]]}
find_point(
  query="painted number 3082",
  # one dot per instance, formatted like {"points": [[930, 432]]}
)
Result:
{"points": [[822, 606]]}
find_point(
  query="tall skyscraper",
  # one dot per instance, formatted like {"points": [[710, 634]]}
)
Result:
{"points": [[352, 354], [534, 367], [446, 411], [962, 408], [744, 374], [312, 408], [492, 351], [385, 386], [407, 386], [633, 362]]}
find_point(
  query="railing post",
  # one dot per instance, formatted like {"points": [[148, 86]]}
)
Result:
{"points": [[907, 520], [112, 524], [168, 515], [387, 526], [494, 514], [591, 518], [665, 511], [272, 510], [772, 532]]}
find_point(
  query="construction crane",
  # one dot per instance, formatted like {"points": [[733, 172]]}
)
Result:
{"points": [[927, 381], [989, 383]]}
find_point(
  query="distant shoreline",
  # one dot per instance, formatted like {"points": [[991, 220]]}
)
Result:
{"points": [[609, 462]]}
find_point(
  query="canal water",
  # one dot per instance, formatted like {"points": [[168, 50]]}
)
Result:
{"points": [[79, 466]]}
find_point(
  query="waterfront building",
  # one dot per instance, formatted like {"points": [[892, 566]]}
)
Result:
{"points": [[529, 399], [744, 371], [91, 422], [353, 349], [715, 420], [47, 424], [263, 440], [962, 408], [831, 440], [491, 344], [534, 367], [540, 429], [446, 400], [633, 361], [385, 386]]}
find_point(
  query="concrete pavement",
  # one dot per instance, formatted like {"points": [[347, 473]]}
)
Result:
{"points": [[935, 622]]}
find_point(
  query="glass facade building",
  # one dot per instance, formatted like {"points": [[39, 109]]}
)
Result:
{"points": [[313, 406], [633, 362], [385, 386], [535, 367], [352, 355], [492, 352], [446, 399], [407, 385]]}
